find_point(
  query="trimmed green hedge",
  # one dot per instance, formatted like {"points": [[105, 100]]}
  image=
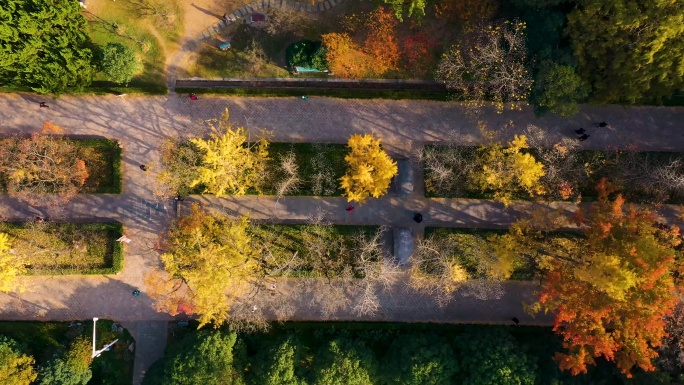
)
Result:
{"points": [[102, 254]]}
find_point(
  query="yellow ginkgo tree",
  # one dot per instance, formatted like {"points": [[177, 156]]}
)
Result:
{"points": [[212, 257], [370, 169], [230, 163], [11, 265], [506, 171]]}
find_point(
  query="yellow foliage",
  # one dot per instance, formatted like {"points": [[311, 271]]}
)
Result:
{"points": [[370, 169], [11, 265], [214, 256], [230, 165], [610, 273], [15, 368], [508, 170]]}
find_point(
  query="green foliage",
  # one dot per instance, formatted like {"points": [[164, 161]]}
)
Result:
{"points": [[16, 368], [419, 360], [44, 45], [119, 63], [306, 53], [278, 365], [410, 8], [345, 362], [69, 368], [629, 50], [204, 358], [493, 358], [560, 89]]}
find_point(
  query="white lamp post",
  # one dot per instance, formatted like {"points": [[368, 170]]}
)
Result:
{"points": [[96, 353]]}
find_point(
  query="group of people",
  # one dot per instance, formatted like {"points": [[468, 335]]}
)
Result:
{"points": [[582, 135]]}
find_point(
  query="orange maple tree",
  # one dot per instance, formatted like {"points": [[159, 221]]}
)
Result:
{"points": [[612, 299], [378, 53]]}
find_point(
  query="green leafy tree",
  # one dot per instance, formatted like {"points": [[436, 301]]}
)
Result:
{"points": [[560, 89], [71, 367], [345, 362], [203, 358], [119, 63], [492, 357], [278, 364], [410, 8], [44, 46], [419, 360], [629, 50], [16, 368]]}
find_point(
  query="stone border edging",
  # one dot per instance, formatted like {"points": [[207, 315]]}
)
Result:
{"points": [[315, 83]]}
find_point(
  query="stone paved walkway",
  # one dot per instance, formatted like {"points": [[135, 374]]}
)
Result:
{"points": [[141, 123]]}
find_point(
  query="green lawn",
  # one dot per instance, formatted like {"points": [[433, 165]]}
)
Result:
{"points": [[43, 339], [67, 248]]}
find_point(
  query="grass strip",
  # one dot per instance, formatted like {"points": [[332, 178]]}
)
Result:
{"points": [[67, 248], [343, 93], [321, 250]]}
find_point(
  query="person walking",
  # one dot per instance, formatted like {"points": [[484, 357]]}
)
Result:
{"points": [[580, 131], [43, 104], [603, 124], [143, 167], [350, 209], [583, 137]]}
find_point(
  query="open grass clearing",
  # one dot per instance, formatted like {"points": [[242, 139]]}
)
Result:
{"points": [[152, 28], [43, 339], [52, 248], [319, 250]]}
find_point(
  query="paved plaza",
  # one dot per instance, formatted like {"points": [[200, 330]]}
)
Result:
{"points": [[141, 123]]}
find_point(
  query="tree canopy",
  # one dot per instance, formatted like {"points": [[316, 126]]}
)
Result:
{"points": [[11, 265], [203, 358], [278, 364], [492, 357], [44, 45], [629, 50], [230, 164], [345, 362], [119, 63], [42, 169], [611, 296], [419, 360], [213, 256], [69, 368], [16, 368], [370, 169]]}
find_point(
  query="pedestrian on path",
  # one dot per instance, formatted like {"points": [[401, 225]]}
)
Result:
{"points": [[603, 124], [516, 321], [583, 137], [136, 293], [304, 97], [418, 217], [580, 131], [193, 97], [42, 104], [143, 167], [225, 17], [178, 198], [350, 209]]}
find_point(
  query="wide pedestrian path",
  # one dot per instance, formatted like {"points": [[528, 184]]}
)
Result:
{"points": [[141, 123]]}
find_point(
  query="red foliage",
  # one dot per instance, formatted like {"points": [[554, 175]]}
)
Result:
{"points": [[418, 54]]}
